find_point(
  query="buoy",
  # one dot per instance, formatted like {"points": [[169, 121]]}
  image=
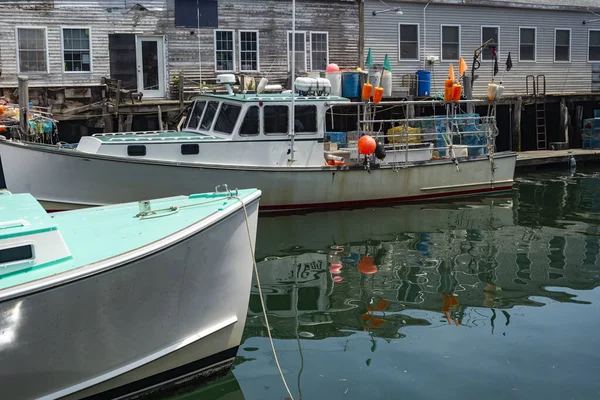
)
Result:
{"points": [[366, 145], [367, 266], [337, 279], [456, 92], [335, 270], [378, 95], [332, 68], [366, 91], [380, 151]]}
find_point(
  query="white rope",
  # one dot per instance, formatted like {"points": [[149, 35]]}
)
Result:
{"points": [[262, 302]]}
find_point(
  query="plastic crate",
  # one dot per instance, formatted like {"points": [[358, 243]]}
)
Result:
{"points": [[336, 137]]}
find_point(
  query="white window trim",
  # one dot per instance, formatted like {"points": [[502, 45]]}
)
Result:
{"points": [[588, 46], [535, 43], [215, 49], [288, 44], [17, 48], [257, 49], [311, 50], [418, 42], [570, 44], [442, 42], [497, 44], [62, 50]]}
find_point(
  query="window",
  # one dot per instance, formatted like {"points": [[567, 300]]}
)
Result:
{"points": [[276, 120], [408, 42], [594, 45], [305, 119], [76, 50], [136, 150], [228, 116], [319, 51], [527, 38], [249, 60], [487, 33], [300, 51], [224, 54], [189, 149], [251, 123], [20, 253], [562, 45], [450, 42], [209, 115], [31, 50], [196, 115], [187, 13]]}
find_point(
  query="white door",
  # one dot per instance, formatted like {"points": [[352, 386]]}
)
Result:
{"points": [[150, 66]]}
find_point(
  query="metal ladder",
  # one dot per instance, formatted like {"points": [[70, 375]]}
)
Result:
{"points": [[539, 94]]}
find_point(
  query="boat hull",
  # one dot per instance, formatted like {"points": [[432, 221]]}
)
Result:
{"points": [[173, 314], [64, 179]]}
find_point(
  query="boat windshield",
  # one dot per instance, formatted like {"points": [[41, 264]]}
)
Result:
{"points": [[196, 115]]}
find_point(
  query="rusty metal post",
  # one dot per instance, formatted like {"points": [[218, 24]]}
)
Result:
{"points": [[23, 103]]}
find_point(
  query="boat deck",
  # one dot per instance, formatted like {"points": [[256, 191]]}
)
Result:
{"points": [[99, 233]]}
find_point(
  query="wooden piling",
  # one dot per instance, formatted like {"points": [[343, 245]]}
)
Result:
{"points": [[108, 119], [23, 103], [181, 86], [160, 121], [517, 122]]}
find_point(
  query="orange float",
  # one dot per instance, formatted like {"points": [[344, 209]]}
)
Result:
{"points": [[378, 95], [366, 91], [366, 145], [367, 266]]}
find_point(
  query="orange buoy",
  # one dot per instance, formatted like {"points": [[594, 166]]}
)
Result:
{"points": [[367, 265], [378, 95], [366, 145], [366, 91], [335, 270], [456, 92], [337, 279]]}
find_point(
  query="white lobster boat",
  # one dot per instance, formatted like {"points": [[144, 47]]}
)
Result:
{"points": [[250, 140]]}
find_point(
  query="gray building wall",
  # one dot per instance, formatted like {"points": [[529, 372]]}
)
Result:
{"points": [[381, 35]]}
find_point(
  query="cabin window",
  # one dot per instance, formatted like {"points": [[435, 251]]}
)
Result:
{"points": [[306, 119], [251, 123], [31, 50], [224, 51], [190, 148], [209, 115], [249, 59], [136, 150], [527, 38], [276, 120], [450, 42], [76, 50], [487, 33], [196, 114], [19, 253], [594, 45], [319, 51], [300, 51], [562, 45], [228, 116], [408, 42]]}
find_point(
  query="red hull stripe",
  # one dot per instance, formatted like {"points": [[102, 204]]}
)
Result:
{"points": [[384, 201]]}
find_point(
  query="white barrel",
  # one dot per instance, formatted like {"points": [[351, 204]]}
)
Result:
{"points": [[335, 79], [386, 83], [374, 78]]}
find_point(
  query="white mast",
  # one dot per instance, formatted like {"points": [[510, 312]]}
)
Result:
{"points": [[293, 113]]}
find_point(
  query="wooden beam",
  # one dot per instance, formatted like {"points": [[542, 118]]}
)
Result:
{"points": [[23, 103]]}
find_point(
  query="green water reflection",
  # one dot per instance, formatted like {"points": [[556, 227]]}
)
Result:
{"points": [[481, 298]]}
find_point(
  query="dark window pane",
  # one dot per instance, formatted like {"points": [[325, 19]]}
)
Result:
{"points": [[487, 34], [563, 37], [228, 116], [527, 52], [20, 253], [276, 120], [450, 34], [186, 13], [194, 118], [409, 33], [562, 53], [209, 115], [594, 53], [409, 51], [192, 148], [450, 52], [594, 38], [251, 124], [136, 150], [306, 119], [527, 36]]}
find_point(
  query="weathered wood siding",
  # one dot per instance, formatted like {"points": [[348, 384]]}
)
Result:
{"points": [[272, 18], [381, 34]]}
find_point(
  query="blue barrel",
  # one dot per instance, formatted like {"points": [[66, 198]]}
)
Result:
{"points": [[423, 83], [350, 84]]}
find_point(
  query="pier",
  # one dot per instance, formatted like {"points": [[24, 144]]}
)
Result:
{"points": [[538, 158]]}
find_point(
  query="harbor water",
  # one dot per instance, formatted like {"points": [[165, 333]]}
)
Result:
{"points": [[493, 298]]}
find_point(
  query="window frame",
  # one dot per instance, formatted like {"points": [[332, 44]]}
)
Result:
{"points": [[62, 49], [497, 44], [442, 41], [570, 44], [287, 50], [535, 43], [311, 49], [418, 42], [45, 28], [588, 45], [257, 49], [232, 50]]}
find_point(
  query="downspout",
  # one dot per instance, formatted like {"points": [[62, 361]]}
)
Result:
{"points": [[361, 34], [424, 36]]}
